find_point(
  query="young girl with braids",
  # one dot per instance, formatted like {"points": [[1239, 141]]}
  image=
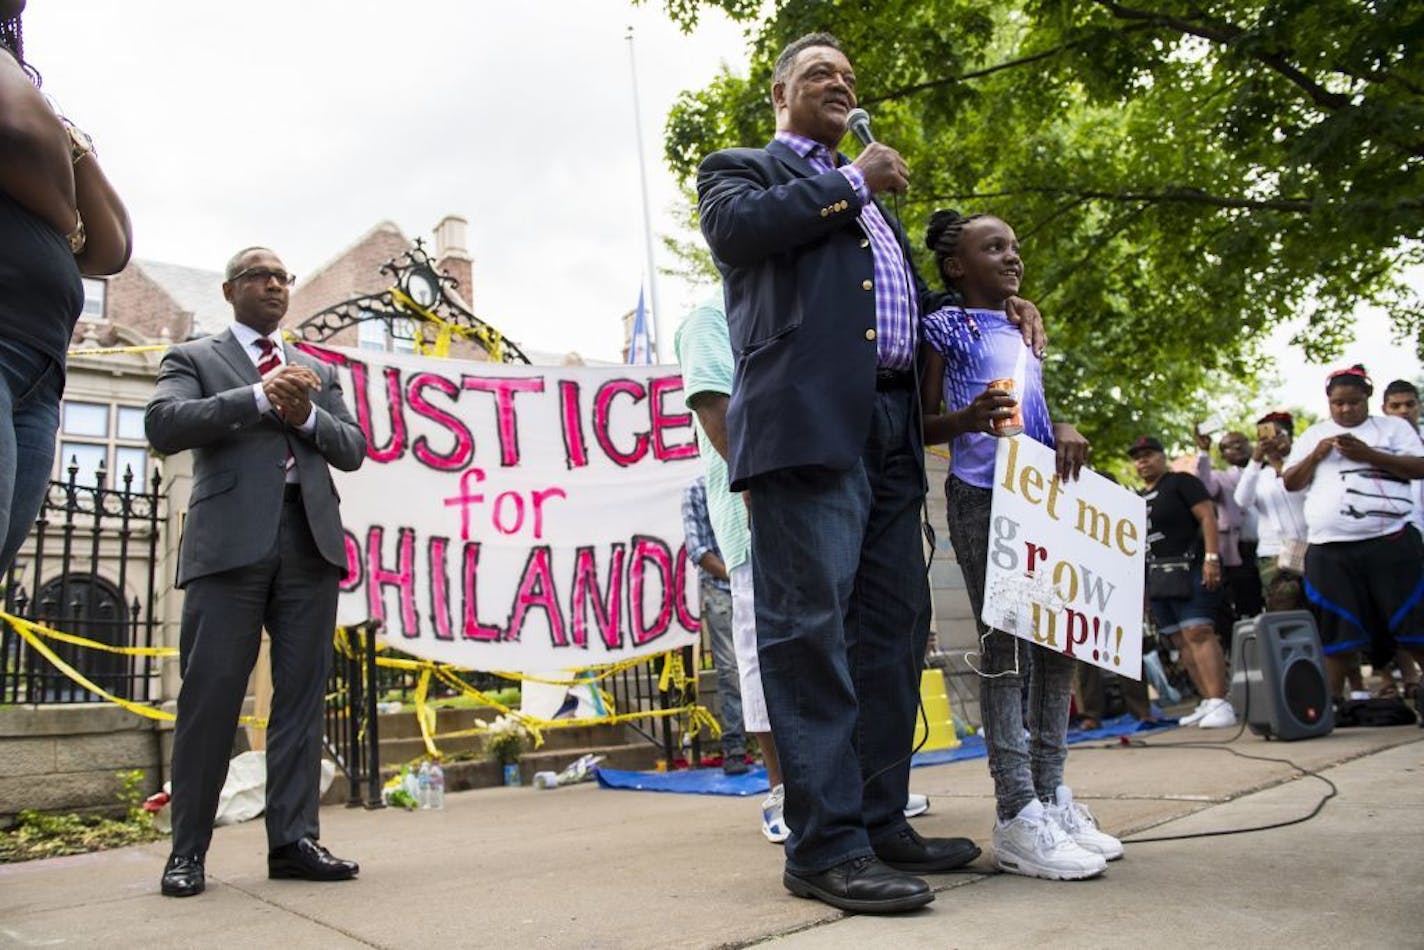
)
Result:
{"points": [[969, 343]]}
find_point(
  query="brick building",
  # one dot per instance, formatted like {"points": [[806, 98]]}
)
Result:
{"points": [[102, 575]]}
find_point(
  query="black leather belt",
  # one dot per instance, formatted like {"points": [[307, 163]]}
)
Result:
{"points": [[894, 379], [292, 491]]}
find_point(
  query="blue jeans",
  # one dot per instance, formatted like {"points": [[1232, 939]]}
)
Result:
{"points": [[717, 613], [31, 384], [842, 612], [1022, 769]]}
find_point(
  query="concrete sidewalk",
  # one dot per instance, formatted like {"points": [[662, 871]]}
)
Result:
{"points": [[587, 867]]}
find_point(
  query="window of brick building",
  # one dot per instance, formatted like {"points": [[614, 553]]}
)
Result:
{"points": [[402, 336], [371, 334], [94, 290], [94, 432], [376, 334]]}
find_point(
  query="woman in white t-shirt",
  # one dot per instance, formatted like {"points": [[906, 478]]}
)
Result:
{"points": [[1281, 512], [1364, 572]]}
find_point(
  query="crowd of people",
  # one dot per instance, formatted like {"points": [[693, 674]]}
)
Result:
{"points": [[816, 378], [1328, 522], [835, 366]]}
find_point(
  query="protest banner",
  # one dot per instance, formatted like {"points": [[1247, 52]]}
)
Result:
{"points": [[1065, 559], [517, 518]]}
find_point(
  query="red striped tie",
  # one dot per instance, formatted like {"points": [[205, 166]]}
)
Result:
{"points": [[269, 362]]}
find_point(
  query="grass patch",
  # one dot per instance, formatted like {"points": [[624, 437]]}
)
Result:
{"points": [[37, 835]]}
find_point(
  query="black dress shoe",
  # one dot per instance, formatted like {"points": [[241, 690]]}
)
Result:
{"points": [[905, 850], [308, 860], [862, 886], [183, 876]]}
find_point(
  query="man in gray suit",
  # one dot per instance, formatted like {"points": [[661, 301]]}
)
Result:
{"points": [[262, 546]]}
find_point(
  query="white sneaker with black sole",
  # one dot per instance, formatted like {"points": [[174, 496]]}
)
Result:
{"points": [[1080, 825], [773, 820], [1033, 845]]}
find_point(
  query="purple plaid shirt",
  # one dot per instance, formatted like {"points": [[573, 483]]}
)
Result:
{"points": [[896, 304]]}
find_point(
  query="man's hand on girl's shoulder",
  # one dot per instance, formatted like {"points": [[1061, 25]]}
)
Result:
{"points": [[1024, 315]]}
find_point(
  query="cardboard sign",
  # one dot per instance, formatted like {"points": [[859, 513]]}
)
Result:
{"points": [[517, 518], [1066, 560]]}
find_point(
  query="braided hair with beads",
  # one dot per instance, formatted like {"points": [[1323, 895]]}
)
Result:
{"points": [[12, 39]]}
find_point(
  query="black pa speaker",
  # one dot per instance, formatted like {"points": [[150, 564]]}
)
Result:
{"points": [[1278, 677]]}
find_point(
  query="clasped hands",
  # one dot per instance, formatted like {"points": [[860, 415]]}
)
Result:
{"points": [[288, 388]]}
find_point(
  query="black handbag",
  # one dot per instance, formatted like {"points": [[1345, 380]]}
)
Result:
{"points": [[1169, 578]]}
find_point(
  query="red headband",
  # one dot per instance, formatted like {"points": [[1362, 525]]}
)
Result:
{"points": [[1353, 373]]}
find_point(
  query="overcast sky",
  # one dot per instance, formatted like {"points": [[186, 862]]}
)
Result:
{"points": [[302, 124]]}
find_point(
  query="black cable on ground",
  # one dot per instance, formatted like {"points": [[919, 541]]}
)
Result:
{"points": [[1225, 746]]}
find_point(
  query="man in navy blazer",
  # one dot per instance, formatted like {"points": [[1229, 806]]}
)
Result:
{"points": [[824, 432]]}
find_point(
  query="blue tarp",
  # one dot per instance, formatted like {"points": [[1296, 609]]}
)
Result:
{"points": [[688, 781], [713, 782]]}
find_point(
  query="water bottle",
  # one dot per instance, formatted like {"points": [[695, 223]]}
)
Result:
{"points": [[437, 786], [422, 784]]}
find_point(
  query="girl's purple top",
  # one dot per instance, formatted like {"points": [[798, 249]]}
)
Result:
{"points": [[979, 346]]}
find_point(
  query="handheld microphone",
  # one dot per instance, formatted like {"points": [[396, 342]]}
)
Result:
{"points": [[859, 123]]}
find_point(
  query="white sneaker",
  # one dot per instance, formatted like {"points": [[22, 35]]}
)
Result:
{"points": [[1194, 717], [1081, 826], [1033, 845], [916, 805], [773, 822], [1219, 715]]}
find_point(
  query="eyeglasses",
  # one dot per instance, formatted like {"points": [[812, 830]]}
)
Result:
{"points": [[262, 275]]}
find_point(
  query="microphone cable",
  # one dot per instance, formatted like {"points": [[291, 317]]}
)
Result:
{"points": [[917, 663], [1224, 745]]}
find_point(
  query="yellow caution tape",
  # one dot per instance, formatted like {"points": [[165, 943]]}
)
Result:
{"points": [[672, 676], [488, 337], [118, 350], [34, 634], [445, 330], [78, 641]]}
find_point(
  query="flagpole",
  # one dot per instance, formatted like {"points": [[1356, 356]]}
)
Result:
{"points": [[647, 215]]}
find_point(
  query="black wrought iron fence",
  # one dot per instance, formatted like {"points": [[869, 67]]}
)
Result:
{"points": [[352, 725], [88, 569], [636, 689]]}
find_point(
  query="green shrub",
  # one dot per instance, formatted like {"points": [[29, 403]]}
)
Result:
{"points": [[38, 835]]}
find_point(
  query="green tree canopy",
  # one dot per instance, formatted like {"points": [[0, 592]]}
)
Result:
{"points": [[1183, 176]]}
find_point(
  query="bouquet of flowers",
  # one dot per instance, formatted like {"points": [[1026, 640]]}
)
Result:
{"points": [[506, 739], [401, 791]]}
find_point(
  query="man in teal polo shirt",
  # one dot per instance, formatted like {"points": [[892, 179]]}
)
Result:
{"points": [[704, 350]]}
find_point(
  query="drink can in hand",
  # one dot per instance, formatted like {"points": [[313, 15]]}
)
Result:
{"points": [[1011, 424]]}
